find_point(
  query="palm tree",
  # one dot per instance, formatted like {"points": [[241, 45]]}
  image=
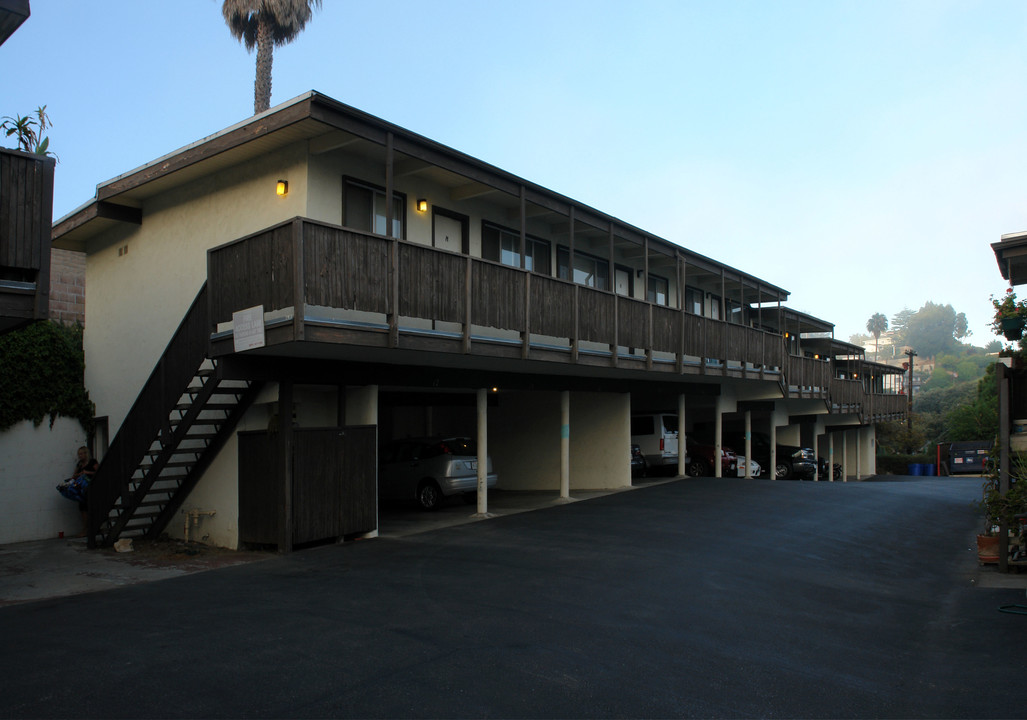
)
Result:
{"points": [[876, 325], [266, 24]]}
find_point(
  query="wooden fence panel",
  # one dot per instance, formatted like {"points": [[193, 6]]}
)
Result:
{"points": [[695, 335], [633, 323], [595, 316], [257, 270], [346, 270], [431, 283], [26, 206], [552, 306], [497, 296], [666, 329]]}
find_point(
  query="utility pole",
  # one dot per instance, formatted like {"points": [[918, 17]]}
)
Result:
{"points": [[911, 353]]}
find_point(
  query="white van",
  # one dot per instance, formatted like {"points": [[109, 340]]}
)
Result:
{"points": [[657, 436]]}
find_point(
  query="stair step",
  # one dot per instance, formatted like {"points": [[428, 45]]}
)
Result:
{"points": [[208, 406]]}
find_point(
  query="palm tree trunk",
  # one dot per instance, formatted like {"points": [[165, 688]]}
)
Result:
{"points": [[262, 84]]}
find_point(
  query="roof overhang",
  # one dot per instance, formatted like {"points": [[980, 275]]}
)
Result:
{"points": [[327, 123], [1011, 255], [12, 14]]}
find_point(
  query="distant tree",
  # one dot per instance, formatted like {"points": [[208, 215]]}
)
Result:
{"points": [[993, 347], [930, 330], [858, 338], [898, 324], [976, 420], [266, 24], [876, 325], [962, 327]]}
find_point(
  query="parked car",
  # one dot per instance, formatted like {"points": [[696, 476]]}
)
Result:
{"points": [[699, 460], [656, 434], [426, 470], [793, 462], [638, 463]]}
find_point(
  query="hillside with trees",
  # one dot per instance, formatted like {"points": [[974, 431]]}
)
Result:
{"points": [[957, 398]]}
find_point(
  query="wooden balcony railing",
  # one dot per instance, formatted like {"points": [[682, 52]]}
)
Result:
{"points": [[302, 263], [312, 267]]}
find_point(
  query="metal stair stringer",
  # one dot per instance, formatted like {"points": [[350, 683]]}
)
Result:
{"points": [[196, 429]]}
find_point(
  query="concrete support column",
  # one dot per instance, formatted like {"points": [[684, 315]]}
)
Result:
{"points": [[748, 443], [773, 450], [565, 444], [483, 454], [859, 452], [718, 437], [845, 456], [682, 449], [830, 454]]}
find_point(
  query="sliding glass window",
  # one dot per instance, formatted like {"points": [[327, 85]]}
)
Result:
{"points": [[364, 208], [504, 245]]}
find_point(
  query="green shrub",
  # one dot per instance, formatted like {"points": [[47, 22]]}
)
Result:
{"points": [[899, 464], [41, 374]]}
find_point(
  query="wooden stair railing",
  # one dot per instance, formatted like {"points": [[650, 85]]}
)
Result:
{"points": [[182, 417]]}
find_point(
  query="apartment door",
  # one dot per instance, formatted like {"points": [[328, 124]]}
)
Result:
{"points": [[622, 281], [449, 230]]}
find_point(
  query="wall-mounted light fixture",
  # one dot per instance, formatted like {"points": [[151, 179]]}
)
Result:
{"points": [[422, 205], [787, 335], [282, 188], [640, 273], [495, 389]]}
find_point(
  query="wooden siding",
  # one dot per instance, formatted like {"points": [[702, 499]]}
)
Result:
{"points": [[26, 210], [334, 484]]}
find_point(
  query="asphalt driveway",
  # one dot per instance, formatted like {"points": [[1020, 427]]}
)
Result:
{"points": [[696, 598]]}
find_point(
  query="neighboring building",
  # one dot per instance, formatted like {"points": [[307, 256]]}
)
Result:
{"points": [[26, 210], [317, 264]]}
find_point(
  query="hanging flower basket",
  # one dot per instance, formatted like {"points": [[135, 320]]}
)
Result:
{"points": [[1012, 328]]}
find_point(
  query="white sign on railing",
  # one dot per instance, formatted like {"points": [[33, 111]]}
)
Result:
{"points": [[248, 328]]}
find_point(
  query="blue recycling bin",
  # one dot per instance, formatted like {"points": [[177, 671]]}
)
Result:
{"points": [[916, 469], [929, 469]]}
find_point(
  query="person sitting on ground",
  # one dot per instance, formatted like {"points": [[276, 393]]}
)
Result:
{"points": [[74, 488]]}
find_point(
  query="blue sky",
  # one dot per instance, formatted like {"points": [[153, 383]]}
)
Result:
{"points": [[862, 155]]}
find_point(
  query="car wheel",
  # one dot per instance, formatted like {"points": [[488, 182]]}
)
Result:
{"points": [[783, 471], [696, 468], [429, 497]]}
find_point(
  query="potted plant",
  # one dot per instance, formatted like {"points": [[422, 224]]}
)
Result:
{"points": [[1000, 509], [1010, 315], [29, 131]]}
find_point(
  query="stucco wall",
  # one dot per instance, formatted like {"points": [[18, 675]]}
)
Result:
{"points": [[600, 441], [32, 461], [142, 279]]}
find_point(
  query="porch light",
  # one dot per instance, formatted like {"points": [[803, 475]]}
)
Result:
{"points": [[422, 205], [282, 188], [495, 389]]}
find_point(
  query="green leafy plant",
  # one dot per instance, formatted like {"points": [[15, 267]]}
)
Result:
{"points": [[43, 367], [1008, 310], [999, 508], [29, 130]]}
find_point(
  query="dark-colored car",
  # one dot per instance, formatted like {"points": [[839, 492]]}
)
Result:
{"points": [[793, 462], [639, 467], [699, 462]]}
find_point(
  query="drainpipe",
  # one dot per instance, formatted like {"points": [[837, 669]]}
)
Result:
{"points": [[194, 516]]}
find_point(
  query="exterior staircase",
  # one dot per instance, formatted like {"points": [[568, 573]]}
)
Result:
{"points": [[180, 421]]}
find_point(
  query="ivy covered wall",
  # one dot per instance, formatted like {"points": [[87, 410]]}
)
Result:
{"points": [[41, 376]]}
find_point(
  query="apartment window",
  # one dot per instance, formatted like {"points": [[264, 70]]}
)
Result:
{"points": [[588, 269], [504, 245], [734, 311], [693, 300], [364, 208], [657, 290], [715, 306]]}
